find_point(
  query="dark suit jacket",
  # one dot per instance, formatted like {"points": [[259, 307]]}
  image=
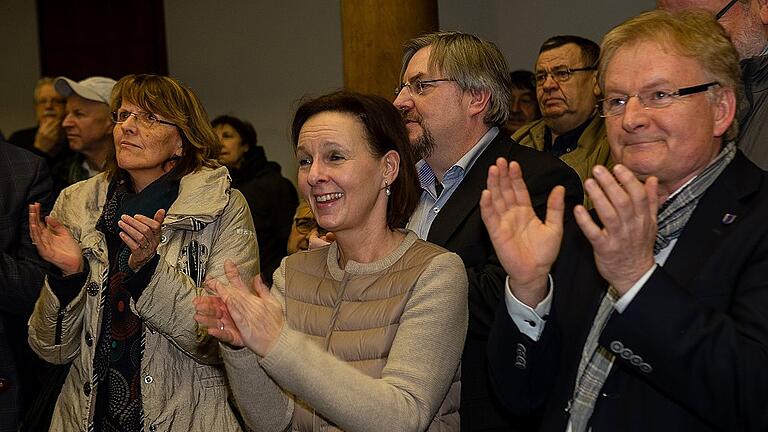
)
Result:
{"points": [[459, 228], [692, 346], [24, 179]]}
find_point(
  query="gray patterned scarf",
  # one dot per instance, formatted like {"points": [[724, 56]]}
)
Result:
{"points": [[596, 360]]}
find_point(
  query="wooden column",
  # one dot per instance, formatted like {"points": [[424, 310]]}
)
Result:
{"points": [[373, 33]]}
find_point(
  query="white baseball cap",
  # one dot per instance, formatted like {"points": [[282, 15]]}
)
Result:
{"points": [[97, 89]]}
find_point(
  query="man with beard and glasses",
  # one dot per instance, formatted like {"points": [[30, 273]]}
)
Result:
{"points": [[746, 23], [454, 97], [566, 89]]}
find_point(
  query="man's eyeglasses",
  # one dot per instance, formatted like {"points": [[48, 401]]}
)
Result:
{"points": [[146, 119], [658, 98], [559, 74], [53, 101], [725, 9], [418, 86]]}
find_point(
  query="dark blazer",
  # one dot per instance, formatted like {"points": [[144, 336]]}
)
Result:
{"points": [[459, 228], [24, 179], [692, 346]]}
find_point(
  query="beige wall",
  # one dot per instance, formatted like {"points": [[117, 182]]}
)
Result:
{"points": [[254, 59]]}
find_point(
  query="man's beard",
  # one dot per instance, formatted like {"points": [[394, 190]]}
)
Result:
{"points": [[424, 145]]}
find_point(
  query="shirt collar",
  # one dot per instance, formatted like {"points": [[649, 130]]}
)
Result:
{"points": [[427, 176]]}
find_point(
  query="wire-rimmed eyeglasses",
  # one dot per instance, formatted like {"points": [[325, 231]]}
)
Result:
{"points": [[560, 74], [146, 119], [419, 86], [656, 98]]}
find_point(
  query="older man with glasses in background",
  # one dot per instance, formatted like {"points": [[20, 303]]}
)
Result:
{"points": [[566, 89], [48, 139], [654, 317], [746, 22]]}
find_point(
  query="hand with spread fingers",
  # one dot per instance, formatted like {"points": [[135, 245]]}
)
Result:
{"points": [[623, 247], [257, 316], [54, 242], [525, 245], [142, 235]]}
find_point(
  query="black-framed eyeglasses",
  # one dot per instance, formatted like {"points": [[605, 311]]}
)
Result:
{"points": [[146, 119], [418, 86], [560, 74], [656, 98], [725, 9]]}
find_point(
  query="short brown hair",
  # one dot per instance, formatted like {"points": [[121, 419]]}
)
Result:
{"points": [[690, 33], [474, 63], [385, 131], [177, 103]]}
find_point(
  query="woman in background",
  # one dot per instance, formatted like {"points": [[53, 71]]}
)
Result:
{"points": [[271, 197]]}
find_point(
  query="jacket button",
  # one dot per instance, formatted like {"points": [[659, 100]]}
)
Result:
{"points": [[617, 347], [636, 360], [87, 389], [626, 354], [646, 368], [148, 379], [88, 339], [92, 288], [5, 384]]}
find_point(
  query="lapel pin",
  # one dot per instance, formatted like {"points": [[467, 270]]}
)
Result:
{"points": [[728, 218]]}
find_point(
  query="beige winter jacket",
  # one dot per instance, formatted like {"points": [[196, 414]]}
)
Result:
{"points": [[371, 347], [183, 386]]}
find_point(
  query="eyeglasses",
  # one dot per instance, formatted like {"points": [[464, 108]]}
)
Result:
{"points": [[725, 9], [146, 119], [418, 86], [53, 101], [616, 105], [559, 74]]}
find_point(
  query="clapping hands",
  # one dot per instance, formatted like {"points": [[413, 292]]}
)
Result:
{"points": [[239, 315]]}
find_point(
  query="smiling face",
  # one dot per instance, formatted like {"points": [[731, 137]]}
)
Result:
{"points": [[339, 177], [673, 143], [565, 105], [143, 151], [232, 147]]}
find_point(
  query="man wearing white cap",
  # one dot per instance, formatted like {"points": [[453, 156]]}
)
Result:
{"points": [[87, 123]]}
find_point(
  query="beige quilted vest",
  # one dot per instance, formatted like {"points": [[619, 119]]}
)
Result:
{"points": [[356, 319]]}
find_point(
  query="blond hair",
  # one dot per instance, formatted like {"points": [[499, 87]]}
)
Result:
{"points": [[176, 103], [474, 63], [690, 33]]}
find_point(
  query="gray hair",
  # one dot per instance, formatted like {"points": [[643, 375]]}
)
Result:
{"points": [[474, 63]]}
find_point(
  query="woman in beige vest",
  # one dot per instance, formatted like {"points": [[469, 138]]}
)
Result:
{"points": [[366, 333]]}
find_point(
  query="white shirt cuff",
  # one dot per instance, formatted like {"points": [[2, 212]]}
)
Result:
{"points": [[624, 300], [528, 320]]}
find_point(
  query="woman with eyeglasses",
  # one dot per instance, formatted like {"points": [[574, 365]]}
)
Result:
{"points": [[364, 334], [131, 248]]}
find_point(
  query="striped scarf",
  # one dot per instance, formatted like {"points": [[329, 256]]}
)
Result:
{"points": [[596, 360]]}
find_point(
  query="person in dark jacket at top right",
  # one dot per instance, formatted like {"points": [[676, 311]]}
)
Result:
{"points": [[271, 197]]}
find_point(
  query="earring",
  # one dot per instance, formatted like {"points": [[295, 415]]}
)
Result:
{"points": [[387, 190]]}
